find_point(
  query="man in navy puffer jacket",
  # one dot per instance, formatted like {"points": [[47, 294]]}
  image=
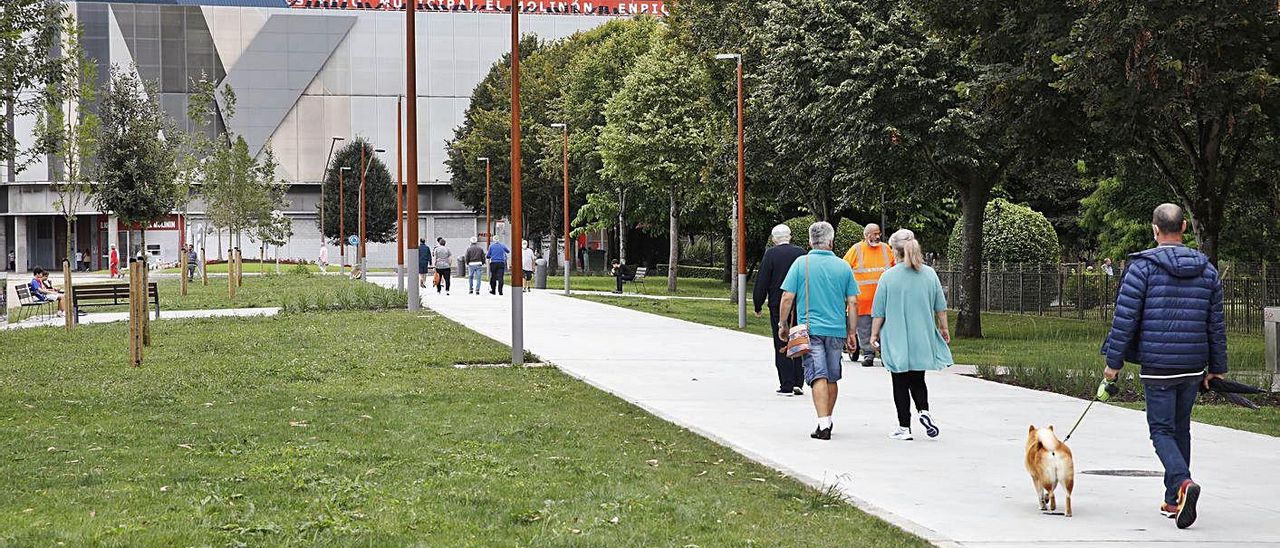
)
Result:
{"points": [[1169, 321]]}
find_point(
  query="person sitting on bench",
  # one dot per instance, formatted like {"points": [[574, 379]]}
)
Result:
{"points": [[43, 291], [622, 274]]}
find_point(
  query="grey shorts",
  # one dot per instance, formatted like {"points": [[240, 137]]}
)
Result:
{"points": [[823, 359]]}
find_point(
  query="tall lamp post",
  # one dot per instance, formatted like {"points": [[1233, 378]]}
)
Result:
{"points": [[517, 203], [568, 255], [342, 220], [411, 127], [399, 197], [488, 219], [362, 251], [742, 201], [333, 141]]}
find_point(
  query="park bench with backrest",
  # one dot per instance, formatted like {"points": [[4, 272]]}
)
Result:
{"points": [[113, 294], [636, 277], [27, 301]]}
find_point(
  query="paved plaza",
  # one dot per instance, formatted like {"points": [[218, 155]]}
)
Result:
{"points": [[965, 488]]}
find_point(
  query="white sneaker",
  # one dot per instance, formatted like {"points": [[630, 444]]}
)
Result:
{"points": [[901, 433], [930, 428]]}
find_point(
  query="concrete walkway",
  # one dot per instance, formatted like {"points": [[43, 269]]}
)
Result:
{"points": [[965, 488], [110, 317]]}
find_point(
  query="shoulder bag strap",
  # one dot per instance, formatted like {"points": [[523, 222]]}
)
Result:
{"points": [[807, 297]]}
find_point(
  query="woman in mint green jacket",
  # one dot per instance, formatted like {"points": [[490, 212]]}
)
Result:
{"points": [[909, 326]]}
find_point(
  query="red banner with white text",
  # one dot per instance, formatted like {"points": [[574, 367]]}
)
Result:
{"points": [[618, 8]]}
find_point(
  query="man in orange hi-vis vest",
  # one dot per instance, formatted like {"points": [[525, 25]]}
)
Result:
{"points": [[869, 259]]}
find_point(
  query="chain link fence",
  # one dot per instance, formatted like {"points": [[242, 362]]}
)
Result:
{"points": [[1086, 292]]}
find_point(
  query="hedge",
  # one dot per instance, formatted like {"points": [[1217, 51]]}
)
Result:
{"points": [[1011, 233], [701, 272]]}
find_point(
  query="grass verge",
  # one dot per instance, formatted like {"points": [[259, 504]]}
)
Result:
{"points": [[354, 428]]}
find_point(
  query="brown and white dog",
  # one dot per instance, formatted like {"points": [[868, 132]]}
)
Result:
{"points": [[1050, 463]]}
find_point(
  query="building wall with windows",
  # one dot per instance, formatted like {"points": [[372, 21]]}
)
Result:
{"points": [[301, 76]]}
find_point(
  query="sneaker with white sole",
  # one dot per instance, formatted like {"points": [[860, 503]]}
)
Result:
{"points": [[926, 420], [902, 433]]}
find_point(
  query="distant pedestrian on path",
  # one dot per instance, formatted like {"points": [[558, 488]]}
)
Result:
{"points": [[475, 266], [193, 260], [909, 326], [114, 262], [774, 266], [497, 255], [424, 262], [526, 264], [77, 266], [1107, 268], [827, 303], [869, 260], [323, 260], [1169, 321], [444, 265]]}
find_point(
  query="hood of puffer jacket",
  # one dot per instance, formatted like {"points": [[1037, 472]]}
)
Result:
{"points": [[1179, 261]]}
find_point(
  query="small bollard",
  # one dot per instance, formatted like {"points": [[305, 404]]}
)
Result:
{"points": [[1271, 330]]}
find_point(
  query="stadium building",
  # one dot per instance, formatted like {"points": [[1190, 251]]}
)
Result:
{"points": [[303, 72]]}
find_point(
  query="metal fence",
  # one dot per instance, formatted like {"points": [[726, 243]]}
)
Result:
{"points": [[1085, 292]]}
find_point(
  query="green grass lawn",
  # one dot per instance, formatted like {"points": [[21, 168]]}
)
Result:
{"points": [[354, 428], [255, 292], [1265, 420]]}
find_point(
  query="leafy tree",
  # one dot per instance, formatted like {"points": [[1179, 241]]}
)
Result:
{"points": [[240, 191], [30, 33], [660, 133], [135, 156], [1190, 87], [1013, 233], [379, 195], [67, 130]]}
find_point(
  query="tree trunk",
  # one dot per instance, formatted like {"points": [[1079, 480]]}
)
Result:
{"points": [[67, 294], [973, 204], [673, 257], [622, 227]]}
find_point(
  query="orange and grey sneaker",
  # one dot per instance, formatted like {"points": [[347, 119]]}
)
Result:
{"points": [[1169, 510], [1188, 495]]}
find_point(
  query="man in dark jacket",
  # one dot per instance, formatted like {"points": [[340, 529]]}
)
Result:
{"points": [[1169, 321], [773, 268]]}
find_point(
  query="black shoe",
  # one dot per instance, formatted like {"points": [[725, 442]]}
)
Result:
{"points": [[821, 434], [491, 292], [869, 361], [797, 391], [784, 392]]}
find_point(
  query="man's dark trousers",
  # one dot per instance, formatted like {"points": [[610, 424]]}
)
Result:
{"points": [[497, 273], [790, 372], [1169, 419]]}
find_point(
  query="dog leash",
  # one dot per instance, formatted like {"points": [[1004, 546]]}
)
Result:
{"points": [[1106, 389]]}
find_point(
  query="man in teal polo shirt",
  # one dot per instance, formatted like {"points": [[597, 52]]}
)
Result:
{"points": [[828, 304]]}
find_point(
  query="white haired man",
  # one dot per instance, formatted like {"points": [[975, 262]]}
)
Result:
{"points": [[825, 296], [774, 266]]}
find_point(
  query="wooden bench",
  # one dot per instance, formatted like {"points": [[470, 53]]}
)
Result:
{"points": [[112, 294], [28, 302]]}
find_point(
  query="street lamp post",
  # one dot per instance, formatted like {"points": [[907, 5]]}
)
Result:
{"points": [[411, 127], [517, 204], [323, 182], [742, 200], [488, 219], [568, 255], [362, 251], [399, 198], [342, 220]]}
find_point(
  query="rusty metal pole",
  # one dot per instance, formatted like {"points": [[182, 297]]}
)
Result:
{"points": [[567, 253], [742, 210], [411, 127], [360, 251], [399, 195], [517, 222]]}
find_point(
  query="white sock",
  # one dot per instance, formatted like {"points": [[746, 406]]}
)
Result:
{"points": [[824, 422]]}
